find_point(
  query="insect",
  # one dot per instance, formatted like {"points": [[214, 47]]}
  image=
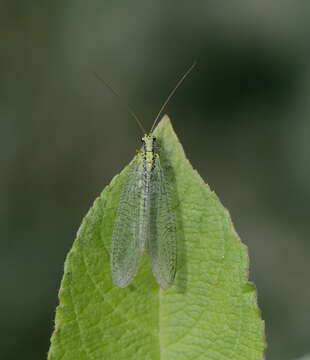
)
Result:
{"points": [[145, 221]]}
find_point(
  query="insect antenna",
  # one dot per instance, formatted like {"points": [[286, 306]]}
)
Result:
{"points": [[124, 104], [172, 93]]}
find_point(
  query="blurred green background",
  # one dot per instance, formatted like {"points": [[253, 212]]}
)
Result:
{"points": [[242, 116]]}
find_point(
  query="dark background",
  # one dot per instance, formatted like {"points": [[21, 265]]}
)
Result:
{"points": [[242, 116]]}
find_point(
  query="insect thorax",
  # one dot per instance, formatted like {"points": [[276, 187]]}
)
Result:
{"points": [[149, 150]]}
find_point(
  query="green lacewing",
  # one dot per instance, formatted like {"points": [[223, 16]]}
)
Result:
{"points": [[145, 220]]}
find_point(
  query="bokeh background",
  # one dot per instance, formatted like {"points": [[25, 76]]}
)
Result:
{"points": [[242, 116]]}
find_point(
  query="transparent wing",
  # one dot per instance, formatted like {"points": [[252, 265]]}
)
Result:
{"points": [[126, 246], [162, 241]]}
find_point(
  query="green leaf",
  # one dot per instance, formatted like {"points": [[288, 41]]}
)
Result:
{"points": [[210, 312]]}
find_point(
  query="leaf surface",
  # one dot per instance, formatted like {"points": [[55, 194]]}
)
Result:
{"points": [[210, 311]]}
